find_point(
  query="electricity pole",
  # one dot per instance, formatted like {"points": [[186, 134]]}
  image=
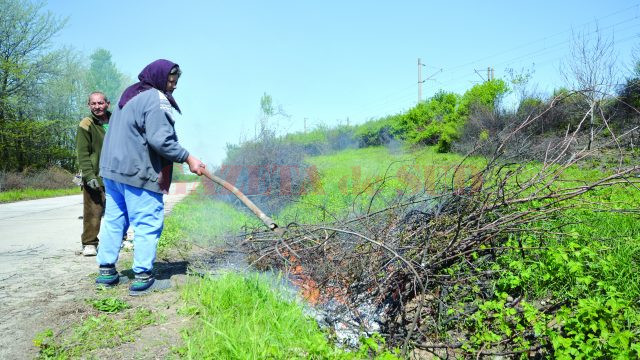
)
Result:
{"points": [[490, 74], [419, 81]]}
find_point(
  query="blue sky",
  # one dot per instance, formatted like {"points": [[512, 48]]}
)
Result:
{"points": [[329, 61]]}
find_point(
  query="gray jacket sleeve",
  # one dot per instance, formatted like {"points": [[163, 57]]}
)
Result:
{"points": [[161, 134]]}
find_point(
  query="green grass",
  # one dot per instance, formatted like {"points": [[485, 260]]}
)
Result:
{"points": [[95, 332], [30, 194], [204, 221], [350, 178], [241, 317]]}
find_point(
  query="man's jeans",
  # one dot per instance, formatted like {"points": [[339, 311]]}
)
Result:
{"points": [[141, 208]]}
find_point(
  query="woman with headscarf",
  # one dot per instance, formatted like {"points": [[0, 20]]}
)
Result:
{"points": [[136, 164]]}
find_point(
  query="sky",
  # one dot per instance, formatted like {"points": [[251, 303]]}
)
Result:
{"points": [[326, 63]]}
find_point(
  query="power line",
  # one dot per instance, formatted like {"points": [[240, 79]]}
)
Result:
{"points": [[545, 38], [541, 51]]}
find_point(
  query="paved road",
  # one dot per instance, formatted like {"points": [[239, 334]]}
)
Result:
{"points": [[39, 271], [38, 228], [49, 227]]}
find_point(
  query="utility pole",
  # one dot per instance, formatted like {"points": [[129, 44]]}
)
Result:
{"points": [[305, 125], [419, 81], [490, 74]]}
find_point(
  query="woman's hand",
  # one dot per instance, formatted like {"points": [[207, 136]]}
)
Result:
{"points": [[195, 165]]}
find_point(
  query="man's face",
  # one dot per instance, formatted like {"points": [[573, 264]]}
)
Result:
{"points": [[172, 83], [98, 105]]}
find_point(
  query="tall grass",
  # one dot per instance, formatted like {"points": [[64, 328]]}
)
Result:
{"points": [[241, 317], [199, 219]]}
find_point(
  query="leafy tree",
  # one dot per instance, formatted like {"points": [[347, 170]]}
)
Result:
{"points": [[25, 56], [103, 75]]}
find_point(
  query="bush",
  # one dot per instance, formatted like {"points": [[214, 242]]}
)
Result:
{"points": [[50, 178], [435, 122], [270, 171], [376, 132]]}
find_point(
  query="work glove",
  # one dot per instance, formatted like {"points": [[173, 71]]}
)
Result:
{"points": [[93, 183]]}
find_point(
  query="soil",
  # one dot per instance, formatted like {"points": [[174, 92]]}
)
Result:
{"points": [[49, 291]]}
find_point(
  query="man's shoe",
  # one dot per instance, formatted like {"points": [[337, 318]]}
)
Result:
{"points": [[107, 276], [127, 245], [89, 250]]}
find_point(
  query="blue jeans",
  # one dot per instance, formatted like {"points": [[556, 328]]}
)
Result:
{"points": [[141, 208]]}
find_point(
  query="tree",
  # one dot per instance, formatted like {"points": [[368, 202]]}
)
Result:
{"points": [[591, 71], [25, 56], [104, 76], [433, 122], [267, 111]]}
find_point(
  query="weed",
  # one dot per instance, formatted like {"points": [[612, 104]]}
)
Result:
{"points": [[109, 304], [95, 332]]}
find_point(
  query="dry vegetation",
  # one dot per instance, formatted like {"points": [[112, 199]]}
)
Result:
{"points": [[424, 264]]}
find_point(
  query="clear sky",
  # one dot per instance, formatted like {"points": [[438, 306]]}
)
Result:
{"points": [[328, 61]]}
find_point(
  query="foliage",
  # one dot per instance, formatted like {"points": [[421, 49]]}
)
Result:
{"points": [[486, 95], [199, 219], [241, 317], [439, 120], [377, 132], [51, 178], [103, 76], [43, 89], [109, 304], [27, 32], [434, 122], [29, 143], [29, 194], [95, 332]]}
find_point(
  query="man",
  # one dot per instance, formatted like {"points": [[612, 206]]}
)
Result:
{"points": [[89, 138], [137, 160]]}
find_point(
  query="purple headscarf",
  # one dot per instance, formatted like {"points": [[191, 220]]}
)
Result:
{"points": [[154, 75]]}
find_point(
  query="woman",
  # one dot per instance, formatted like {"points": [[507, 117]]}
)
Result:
{"points": [[136, 163]]}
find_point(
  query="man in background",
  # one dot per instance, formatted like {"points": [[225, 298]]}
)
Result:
{"points": [[89, 138]]}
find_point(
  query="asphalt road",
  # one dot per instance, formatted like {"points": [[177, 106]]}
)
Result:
{"points": [[42, 228], [46, 228]]}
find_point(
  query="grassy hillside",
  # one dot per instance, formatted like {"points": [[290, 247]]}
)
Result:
{"points": [[571, 289]]}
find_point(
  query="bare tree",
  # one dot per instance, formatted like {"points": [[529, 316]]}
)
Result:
{"points": [[591, 70]]}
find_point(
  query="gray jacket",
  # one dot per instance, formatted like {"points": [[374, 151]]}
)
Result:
{"points": [[141, 144]]}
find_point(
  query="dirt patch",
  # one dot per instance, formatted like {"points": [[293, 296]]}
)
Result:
{"points": [[58, 301], [47, 293]]}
